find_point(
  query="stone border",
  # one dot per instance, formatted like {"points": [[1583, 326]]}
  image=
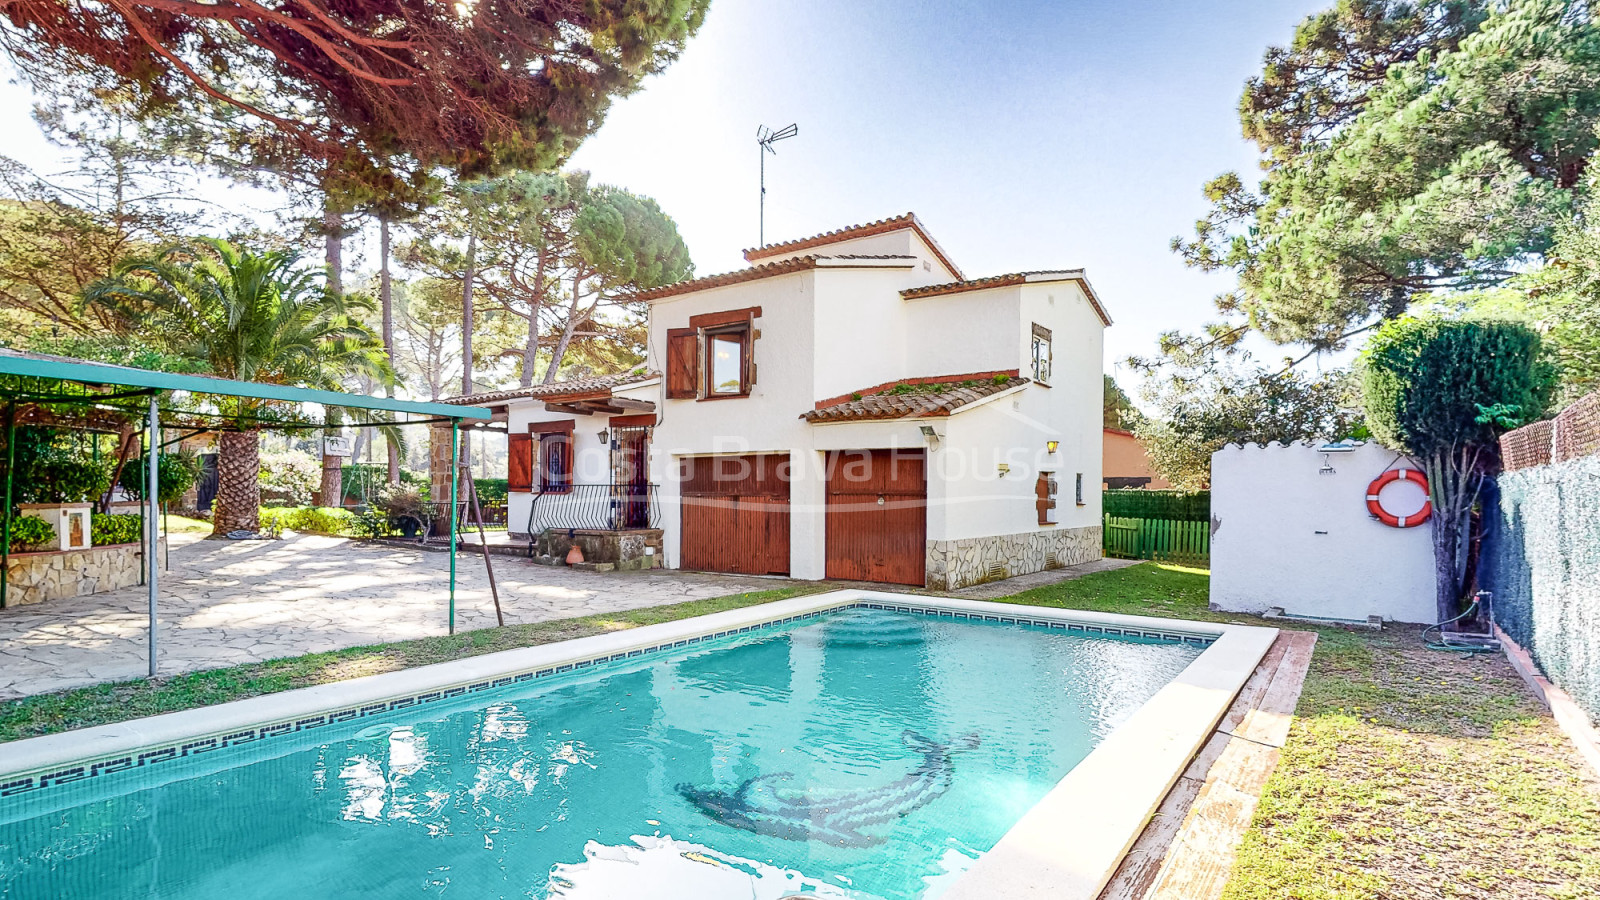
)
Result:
{"points": [[1055, 850], [1571, 718]]}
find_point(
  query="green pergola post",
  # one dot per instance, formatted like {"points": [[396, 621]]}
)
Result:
{"points": [[5, 528], [152, 523], [455, 479]]}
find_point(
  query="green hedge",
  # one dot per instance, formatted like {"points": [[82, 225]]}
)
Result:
{"points": [[1179, 506], [117, 528], [1541, 562], [492, 490], [314, 519], [31, 533]]}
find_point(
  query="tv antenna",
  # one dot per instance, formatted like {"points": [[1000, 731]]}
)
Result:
{"points": [[765, 138]]}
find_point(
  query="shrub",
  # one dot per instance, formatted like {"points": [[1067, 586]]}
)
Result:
{"points": [[119, 528], [308, 519], [1182, 506], [52, 466], [290, 475], [175, 474], [31, 533], [492, 490], [405, 509], [370, 523]]}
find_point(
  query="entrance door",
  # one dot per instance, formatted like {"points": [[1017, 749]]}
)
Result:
{"points": [[736, 514], [877, 515], [630, 476]]}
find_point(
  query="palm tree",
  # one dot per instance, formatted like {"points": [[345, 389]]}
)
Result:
{"points": [[248, 316]]}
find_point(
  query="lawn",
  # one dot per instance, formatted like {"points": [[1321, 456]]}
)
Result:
{"points": [[1408, 773]]}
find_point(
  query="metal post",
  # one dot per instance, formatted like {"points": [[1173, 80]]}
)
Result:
{"points": [[455, 479], [5, 527], [152, 522]]}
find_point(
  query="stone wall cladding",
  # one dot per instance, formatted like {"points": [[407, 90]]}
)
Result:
{"points": [[37, 577], [952, 565]]}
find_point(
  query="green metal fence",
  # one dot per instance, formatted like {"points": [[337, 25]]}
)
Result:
{"points": [[1166, 540]]}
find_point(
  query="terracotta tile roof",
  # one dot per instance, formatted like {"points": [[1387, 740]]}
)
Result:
{"points": [[589, 384], [993, 281], [882, 226], [926, 397], [754, 273]]}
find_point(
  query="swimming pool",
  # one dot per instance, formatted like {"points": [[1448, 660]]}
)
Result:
{"points": [[846, 751]]}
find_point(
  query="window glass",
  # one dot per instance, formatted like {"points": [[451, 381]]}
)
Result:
{"points": [[727, 362], [1041, 358]]}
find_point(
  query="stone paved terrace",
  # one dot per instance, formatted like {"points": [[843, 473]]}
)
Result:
{"points": [[225, 603]]}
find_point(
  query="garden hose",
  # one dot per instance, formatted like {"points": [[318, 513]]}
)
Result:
{"points": [[1445, 643]]}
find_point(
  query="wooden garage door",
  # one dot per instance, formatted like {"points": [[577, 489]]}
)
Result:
{"points": [[877, 515], [736, 514]]}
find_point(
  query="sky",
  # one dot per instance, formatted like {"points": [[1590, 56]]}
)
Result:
{"points": [[1024, 134]]}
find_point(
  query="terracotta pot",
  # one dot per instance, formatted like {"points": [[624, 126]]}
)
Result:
{"points": [[575, 555]]}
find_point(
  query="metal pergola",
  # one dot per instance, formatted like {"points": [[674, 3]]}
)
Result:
{"points": [[43, 380]]}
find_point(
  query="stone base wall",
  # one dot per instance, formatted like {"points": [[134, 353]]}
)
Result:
{"points": [[37, 577], [958, 564], [617, 549]]}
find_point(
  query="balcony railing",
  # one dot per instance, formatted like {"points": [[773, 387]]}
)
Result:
{"points": [[595, 507]]}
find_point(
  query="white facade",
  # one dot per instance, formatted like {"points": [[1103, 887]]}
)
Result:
{"points": [[1289, 533], [833, 323]]}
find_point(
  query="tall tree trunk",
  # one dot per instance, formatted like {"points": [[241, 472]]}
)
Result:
{"points": [[238, 503], [559, 352], [386, 300], [332, 490], [466, 313], [530, 349]]}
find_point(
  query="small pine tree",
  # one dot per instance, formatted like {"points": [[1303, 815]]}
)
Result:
{"points": [[1443, 390]]}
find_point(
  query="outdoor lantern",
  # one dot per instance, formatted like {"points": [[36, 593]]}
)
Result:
{"points": [[1052, 445], [605, 436]]}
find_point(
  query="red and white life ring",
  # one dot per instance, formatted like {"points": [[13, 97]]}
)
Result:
{"points": [[1375, 506]]}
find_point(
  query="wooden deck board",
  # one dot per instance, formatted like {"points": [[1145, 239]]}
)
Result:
{"points": [[1187, 850]]}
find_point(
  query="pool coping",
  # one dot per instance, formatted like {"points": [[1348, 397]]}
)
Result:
{"points": [[1053, 850]]}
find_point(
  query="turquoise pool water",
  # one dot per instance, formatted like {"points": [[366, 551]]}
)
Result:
{"points": [[866, 754]]}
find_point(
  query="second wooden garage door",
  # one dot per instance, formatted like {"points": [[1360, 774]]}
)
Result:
{"points": [[877, 515], [736, 514]]}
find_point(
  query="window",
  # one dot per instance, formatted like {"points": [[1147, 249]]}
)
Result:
{"points": [[1080, 489], [725, 362], [711, 358], [1041, 354]]}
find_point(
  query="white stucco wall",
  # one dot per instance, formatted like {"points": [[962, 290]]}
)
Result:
{"points": [[1286, 536]]}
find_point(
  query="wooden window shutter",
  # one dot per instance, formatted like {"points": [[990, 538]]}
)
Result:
{"points": [[683, 363], [1043, 502], [519, 462]]}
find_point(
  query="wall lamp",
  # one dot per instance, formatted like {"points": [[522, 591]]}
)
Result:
{"points": [[931, 435], [605, 437], [1051, 445]]}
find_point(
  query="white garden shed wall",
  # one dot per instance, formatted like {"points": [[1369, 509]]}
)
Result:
{"points": [[1287, 534]]}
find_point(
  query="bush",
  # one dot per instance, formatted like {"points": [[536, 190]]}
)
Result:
{"points": [[370, 523], [119, 528], [291, 475], [405, 510], [308, 519], [31, 533], [1181, 506], [52, 466], [492, 490], [175, 474]]}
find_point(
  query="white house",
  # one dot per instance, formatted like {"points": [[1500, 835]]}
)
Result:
{"points": [[850, 405]]}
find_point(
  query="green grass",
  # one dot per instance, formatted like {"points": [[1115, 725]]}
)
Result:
{"points": [[106, 703], [1408, 773], [175, 524]]}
